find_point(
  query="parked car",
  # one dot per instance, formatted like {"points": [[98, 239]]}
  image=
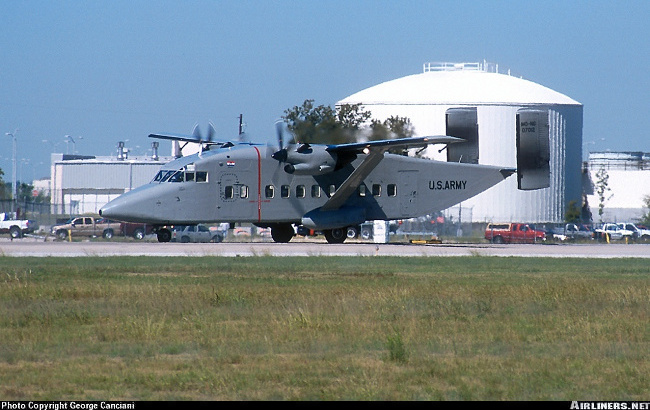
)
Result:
{"points": [[513, 233], [16, 228], [613, 232], [639, 233], [195, 233], [136, 230], [572, 231], [86, 226]]}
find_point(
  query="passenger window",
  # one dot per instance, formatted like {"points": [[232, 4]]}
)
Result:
{"points": [[285, 191], [362, 190], [332, 189], [300, 191], [391, 190], [376, 190], [243, 191], [201, 176], [269, 191], [229, 192], [315, 191]]}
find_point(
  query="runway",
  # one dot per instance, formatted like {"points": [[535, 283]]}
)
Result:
{"points": [[39, 248]]}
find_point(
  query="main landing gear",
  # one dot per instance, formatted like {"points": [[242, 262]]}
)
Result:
{"points": [[283, 233]]}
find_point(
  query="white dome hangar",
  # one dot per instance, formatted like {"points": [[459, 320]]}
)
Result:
{"points": [[496, 98]]}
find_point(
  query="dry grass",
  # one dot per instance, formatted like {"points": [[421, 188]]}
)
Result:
{"points": [[320, 328]]}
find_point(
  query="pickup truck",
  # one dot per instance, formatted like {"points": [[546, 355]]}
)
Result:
{"points": [[613, 232], [16, 228], [638, 233], [572, 232], [86, 226], [513, 233]]}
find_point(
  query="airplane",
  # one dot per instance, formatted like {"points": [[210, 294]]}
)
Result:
{"points": [[322, 187]]}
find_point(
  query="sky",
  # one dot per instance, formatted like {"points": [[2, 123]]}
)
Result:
{"points": [[109, 71]]}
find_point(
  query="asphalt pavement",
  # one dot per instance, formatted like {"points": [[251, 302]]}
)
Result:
{"points": [[40, 247]]}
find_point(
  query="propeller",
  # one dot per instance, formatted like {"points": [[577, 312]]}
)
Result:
{"points": [[196, 132], [281, 154]]}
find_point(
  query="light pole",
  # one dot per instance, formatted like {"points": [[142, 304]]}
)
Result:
{"points": [[14, 187]]}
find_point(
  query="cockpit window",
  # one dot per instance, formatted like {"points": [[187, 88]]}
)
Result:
{"points": [[201, 176], [180, 176], [176, 177], [167, 175], [159, 176]]}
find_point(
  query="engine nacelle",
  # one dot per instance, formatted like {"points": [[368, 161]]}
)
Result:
{"points": [[308, 169], [338, 218], [307, 160]]}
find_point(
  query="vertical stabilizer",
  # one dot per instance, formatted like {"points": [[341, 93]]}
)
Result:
{"points": [[533, 152]]}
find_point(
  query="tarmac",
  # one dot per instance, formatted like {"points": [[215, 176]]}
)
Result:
{"points": [[40, 247]]}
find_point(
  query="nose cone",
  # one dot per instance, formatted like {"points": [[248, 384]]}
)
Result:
{"points": [[133, 206]]}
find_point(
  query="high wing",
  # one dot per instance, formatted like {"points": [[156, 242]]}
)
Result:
{"points": [[375, 153]]}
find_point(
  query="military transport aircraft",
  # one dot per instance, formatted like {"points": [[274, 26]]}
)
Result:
{"points": [[322, 187]]}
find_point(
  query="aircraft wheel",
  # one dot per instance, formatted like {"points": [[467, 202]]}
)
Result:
{"points": [[337, 235], [352, 232], [108, 234], [164, 235], [282, 233], [138, 234]]}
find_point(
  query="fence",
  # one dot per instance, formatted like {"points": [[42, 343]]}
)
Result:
{"points": [[43, 213]]}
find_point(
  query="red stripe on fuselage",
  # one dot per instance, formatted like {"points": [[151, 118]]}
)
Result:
{"points": [[259, 185]]}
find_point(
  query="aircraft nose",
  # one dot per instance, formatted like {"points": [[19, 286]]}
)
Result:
{"points": [[119, 209]]}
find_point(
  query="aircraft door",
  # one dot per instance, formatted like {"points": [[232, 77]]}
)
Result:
{"points": [[407, 191], [234, 200]]}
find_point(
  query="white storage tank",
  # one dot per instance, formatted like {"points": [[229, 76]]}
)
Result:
{"points": [[428, 97]]}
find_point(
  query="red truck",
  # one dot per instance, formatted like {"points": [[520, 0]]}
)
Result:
{"points": [[513, 233]]}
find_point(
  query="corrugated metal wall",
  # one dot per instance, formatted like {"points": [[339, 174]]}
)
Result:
{"points": [[105, 175]]}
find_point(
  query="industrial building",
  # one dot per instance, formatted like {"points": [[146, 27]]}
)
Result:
{"points": [[82, 184], [426, 99], [627, 184]]}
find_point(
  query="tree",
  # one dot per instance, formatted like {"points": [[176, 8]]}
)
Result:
{"points": [[645, 219], [5, 189], [348, 123], [322, 124], [572, 214], [602, 190]]}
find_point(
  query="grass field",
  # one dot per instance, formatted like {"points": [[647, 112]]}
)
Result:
{"points": [[324, 328]]}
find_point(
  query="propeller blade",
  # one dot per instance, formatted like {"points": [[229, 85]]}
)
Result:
{"points": [[211, 131], [196, 133], [278, 127]]}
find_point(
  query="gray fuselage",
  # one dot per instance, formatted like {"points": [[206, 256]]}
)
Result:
{"points": [[246, 184]]}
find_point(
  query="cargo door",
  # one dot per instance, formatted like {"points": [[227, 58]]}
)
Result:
{"points": [[407, 191]]}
